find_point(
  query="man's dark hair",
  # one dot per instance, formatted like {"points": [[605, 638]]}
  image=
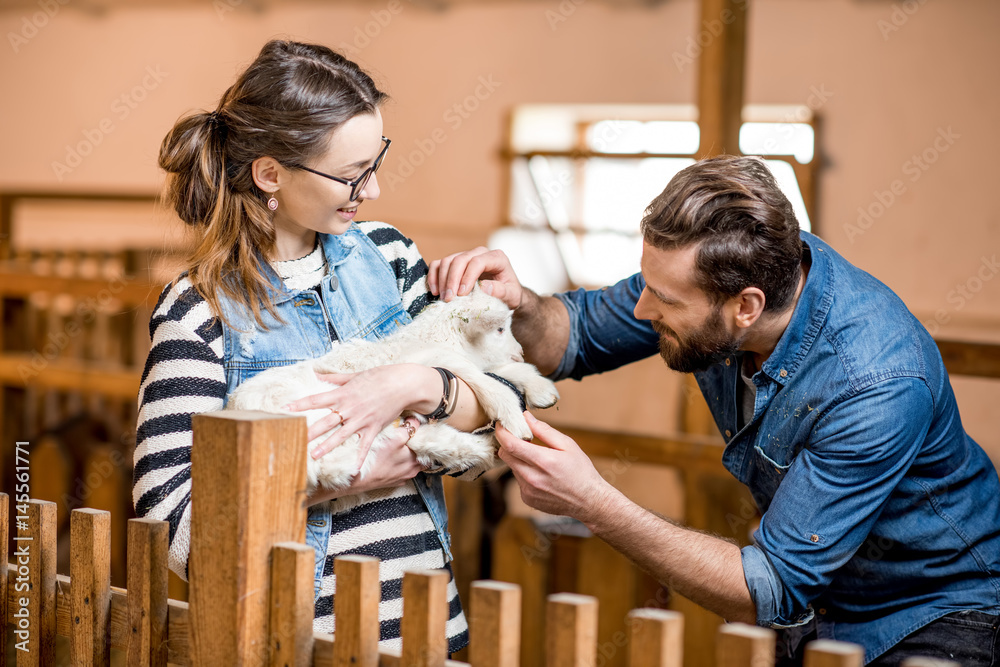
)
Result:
{"points": [[743, 224]]}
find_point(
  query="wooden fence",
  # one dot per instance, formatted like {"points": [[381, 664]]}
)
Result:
{"points": [[251, 583]]}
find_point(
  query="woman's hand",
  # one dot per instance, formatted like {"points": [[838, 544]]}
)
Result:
{"points": [[397, 464], [367, 402]]}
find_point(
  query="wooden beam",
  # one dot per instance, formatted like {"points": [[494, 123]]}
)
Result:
{"points": [[975, 359], [722, 28]]}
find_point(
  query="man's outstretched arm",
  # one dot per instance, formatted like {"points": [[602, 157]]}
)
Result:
{"points": [[560, 479], [541, 323]]}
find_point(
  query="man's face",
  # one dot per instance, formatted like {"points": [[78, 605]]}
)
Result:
{"points": [[694, 334]]}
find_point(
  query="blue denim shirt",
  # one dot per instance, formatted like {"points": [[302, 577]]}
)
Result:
{"points": [[359, 296], [880, 514]]}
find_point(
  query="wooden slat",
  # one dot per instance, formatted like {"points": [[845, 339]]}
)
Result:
{"points": [[829, 653], [39, 544], [147, 592], [425, 613], [523, 555], [975, 359], [113, 380], [129, 291], [90, 569], [292, 568], [494, 624], [119, 629], [571, 631], [356, 611], [742, 645], [679, 451], [4, 558], [656, 638], [248, 491]]}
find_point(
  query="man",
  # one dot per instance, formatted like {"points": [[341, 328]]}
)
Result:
{"points": [[881, 517]]}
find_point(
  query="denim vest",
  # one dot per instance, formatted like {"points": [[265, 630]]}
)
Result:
{"points": [[360, 298]]}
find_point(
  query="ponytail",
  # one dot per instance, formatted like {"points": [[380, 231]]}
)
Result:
{"points": [[285, 105]]}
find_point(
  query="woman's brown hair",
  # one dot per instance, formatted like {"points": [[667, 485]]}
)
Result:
{"points": [[284, 105]]}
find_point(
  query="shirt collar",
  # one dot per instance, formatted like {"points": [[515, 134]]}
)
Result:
{"points": [[809, 315]]}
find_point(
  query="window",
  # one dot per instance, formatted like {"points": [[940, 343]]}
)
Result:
{"points": [[580, 177]]}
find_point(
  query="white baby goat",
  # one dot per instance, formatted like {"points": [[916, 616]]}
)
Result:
{"points": [[468, 336]]}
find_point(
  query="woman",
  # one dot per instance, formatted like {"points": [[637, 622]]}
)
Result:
{"points": [[271, 181]]}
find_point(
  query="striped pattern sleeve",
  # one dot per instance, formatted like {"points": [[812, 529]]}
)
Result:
{"points": [[404, 258], [183, 376]]}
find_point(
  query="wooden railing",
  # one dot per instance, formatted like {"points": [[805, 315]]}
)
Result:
{"points": [[252, 585]]}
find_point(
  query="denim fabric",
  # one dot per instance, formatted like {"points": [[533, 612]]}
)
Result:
{"points": [[360, 298], [880, 514]]}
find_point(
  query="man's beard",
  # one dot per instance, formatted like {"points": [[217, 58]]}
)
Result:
{"points": [[708, 345]]}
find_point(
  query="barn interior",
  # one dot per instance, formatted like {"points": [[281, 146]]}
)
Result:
{"points": [[542, 127]]}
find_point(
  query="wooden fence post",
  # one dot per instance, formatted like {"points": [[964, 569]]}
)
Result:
{"points": [[147, 592], [248, 489], [571, 631], [929, 662], [742, 645], [494, 624], [425, 614], [829, 653], [38, 544], [656, 638], [355, 605], [292, 568], [90, 588]]}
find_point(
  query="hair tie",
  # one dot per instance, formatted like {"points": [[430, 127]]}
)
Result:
{"points": [[215, 119]]}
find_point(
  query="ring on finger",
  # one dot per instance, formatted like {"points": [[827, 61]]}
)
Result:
{"points": [[410, 429], [339, 416]]}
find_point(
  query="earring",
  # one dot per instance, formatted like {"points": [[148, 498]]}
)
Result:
{"points": [[272, 203]]}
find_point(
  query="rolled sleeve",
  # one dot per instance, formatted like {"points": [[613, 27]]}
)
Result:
{"points": [[766, 590], [603, 332]]}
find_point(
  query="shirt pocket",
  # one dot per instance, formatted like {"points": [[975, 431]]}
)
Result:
{"points": [[768, 469]]}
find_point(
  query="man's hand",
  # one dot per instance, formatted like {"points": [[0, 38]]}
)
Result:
{"points": [[456, 275], [558, 478]]}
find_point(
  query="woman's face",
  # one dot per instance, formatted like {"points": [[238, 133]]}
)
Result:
{"points": [[309, 203]]}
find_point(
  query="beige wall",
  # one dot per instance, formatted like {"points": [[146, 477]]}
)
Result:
{"points": [[888, 95]]}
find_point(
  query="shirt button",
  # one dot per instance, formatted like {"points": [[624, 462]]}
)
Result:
{"points": [[783, 373], [822, 611], [814, 538], [728, 433], [727, 361], [334, 283]]}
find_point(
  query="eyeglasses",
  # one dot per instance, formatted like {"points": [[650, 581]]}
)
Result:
{"points": [[358, 184]]}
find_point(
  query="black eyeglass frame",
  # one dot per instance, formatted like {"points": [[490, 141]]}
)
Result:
{"points": [[358, 184]]}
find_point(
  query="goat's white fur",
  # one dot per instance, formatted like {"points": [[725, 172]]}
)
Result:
{"points": [[467, 336]]}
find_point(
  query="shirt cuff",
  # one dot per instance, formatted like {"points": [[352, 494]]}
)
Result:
{"points": [[766, 590], [568, 361]]}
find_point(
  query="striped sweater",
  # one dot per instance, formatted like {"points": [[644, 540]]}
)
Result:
{"points": [[184, 375]]}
